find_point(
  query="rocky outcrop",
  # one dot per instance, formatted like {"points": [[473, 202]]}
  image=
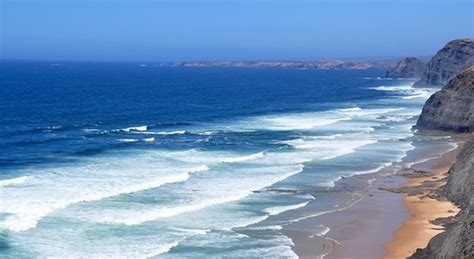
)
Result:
{"points": [[458, 239], [455, 57], [407, 68], [452, 108]]}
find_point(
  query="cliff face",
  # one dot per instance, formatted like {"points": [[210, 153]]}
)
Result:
{"points": [[458, 239], [455, 57], [461, 177], [452, 108], [407, 68]]}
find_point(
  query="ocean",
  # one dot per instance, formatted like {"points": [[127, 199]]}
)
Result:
{"points": [[127, 160]]}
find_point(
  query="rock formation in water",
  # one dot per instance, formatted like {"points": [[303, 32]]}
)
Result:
{"points": [[452, 108], [407, 68], [453, 58]]}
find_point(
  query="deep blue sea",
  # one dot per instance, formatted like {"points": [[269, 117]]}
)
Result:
{"points": [[110, 160]]}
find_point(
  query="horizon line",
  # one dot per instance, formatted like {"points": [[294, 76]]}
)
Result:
{"points": [[344, 59]]}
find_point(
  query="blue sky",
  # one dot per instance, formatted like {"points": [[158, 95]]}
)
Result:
{"points": [[172, 30]]}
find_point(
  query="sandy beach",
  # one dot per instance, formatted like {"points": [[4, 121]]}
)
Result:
{"points": [[423, 208], [390, 220]]}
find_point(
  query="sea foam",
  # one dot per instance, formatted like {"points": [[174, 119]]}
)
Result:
{"points": [[138, 128], [13, 181], [212, 191], [408, 91], [280, 209], [58, 188]]}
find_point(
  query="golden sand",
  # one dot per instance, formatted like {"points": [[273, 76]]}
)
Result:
{"points": [[417, 230]]}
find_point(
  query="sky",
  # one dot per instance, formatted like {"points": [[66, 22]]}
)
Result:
{"points": [[176, 30]]}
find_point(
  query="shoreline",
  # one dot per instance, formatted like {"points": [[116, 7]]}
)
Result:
{"points": [[424, 206], [382, 223], [362, 218]]}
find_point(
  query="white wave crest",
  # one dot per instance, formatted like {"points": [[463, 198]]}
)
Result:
{"points": [[165, 133], [49, 193], [394, 88], [139, 128], [177, 132], [199, 169], [327, 149], [299, 121], [206, 133], [242, 158], [162, 249], [14, 181], [408, 91], [128, 140], [233, 190], [280, 209]]}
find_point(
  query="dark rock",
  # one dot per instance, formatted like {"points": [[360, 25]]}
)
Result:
{"points": [[407, 68], [453, 58], [461, 177], [452, 108]]}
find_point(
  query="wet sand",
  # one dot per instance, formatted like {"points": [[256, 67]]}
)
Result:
{"points": [[361, 228]]}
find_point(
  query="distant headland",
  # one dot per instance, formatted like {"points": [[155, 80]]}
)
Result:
{"points": [[321, 65]]}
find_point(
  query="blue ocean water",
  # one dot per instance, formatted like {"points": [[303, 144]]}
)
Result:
{"points": [[135, 161]]}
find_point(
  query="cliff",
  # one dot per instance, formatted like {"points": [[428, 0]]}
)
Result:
{"points": [[458, 239], [453, 58], [461, 177], [407, 68], [452, 108]]}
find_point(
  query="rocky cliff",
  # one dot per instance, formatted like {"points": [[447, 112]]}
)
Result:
{"points": [[461, 177], [457, 242], [452, 108], [407, 68], [453, 58]]}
